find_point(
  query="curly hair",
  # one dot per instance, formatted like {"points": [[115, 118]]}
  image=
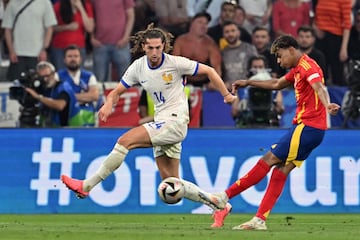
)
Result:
{"points": [[150, 32], [284, 42]]}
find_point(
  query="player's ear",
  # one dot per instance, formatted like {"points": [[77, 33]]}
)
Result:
{"points": [[292, 50]]}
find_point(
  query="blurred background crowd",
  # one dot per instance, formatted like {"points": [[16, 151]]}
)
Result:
{"points": [[88, 45]]}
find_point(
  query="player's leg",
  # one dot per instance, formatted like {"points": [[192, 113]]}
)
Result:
{"points": [[258, 172], [273, 191], [134, 138], [272, 194], [255, 174], [167, 159], [293, 148], [252, 177]]}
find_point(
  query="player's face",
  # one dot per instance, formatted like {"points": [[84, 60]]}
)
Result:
{"points": [[231, 33], [305, 40], [284, 57], [153, 49]]}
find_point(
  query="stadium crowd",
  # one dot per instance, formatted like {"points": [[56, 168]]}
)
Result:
{"points": [[226, 35]]}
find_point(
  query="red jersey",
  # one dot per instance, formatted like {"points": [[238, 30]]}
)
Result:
{"points": [[309, 109]]}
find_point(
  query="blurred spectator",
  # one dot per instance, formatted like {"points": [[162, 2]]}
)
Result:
{"points": [[83, 82], [144, 14], [114, 22], [332, 26], [306, 39], [198, 46], [239, 19], [258, 13], [59, 108], [354, 40], [235, 55], [210, 6], [28, 30], [173, 16], [356, 6], [351, 101], [353, 65], [258, 107], [75, 19], [227, 13], [2, 9], [261, 41], [289, 15]]}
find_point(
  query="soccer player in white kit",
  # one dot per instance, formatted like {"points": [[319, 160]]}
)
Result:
{"points": [[163, 76]]}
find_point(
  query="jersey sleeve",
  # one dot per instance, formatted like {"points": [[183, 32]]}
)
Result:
{"points": [[186, 66], [290, 75], [129, 78], [313, 76]]}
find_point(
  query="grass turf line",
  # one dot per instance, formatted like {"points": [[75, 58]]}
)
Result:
{"points": [[176, 226]]}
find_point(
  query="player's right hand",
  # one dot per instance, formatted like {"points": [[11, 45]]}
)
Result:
{"points": [[238, 84]]}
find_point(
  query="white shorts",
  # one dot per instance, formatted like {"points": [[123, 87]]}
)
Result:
{"points": [[166, 137]]}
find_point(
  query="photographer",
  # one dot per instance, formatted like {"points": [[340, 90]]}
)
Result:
{"points": [[83, 83], [258, 107], [60, 100]]}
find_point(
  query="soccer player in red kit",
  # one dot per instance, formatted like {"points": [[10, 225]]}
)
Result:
{"points": [[306, 133]]}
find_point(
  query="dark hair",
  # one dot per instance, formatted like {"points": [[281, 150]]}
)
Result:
{"points": [[202, 14], [66, 12], [284, 42], [150, 32], [260, 28], [228, 22], [306, 28], [257, 57], [71, 47]]}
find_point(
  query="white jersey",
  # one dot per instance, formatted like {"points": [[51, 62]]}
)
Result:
{"points": [[164, 83]]}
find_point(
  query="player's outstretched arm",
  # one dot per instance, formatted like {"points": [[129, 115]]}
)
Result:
{"points": [[216, 81], [111, 100], [272, 84]]}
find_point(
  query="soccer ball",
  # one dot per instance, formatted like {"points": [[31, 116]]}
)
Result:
{"points": [[171, 190]]}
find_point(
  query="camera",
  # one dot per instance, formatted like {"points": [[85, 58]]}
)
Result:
{"points": [[29, 110], [28, 79]]}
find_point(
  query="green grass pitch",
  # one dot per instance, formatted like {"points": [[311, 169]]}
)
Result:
{"points": [[176, 226]]}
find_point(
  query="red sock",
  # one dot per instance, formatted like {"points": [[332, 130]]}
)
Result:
{"points": [[273, 191], [257, 173]]}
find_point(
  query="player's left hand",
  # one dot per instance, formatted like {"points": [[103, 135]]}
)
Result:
{"points": [[333, 108]]}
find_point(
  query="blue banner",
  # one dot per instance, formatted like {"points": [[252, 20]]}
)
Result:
{"points": [[32, 161]]}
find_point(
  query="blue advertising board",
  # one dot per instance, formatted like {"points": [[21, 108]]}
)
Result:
{"points": [[32, 161]]}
